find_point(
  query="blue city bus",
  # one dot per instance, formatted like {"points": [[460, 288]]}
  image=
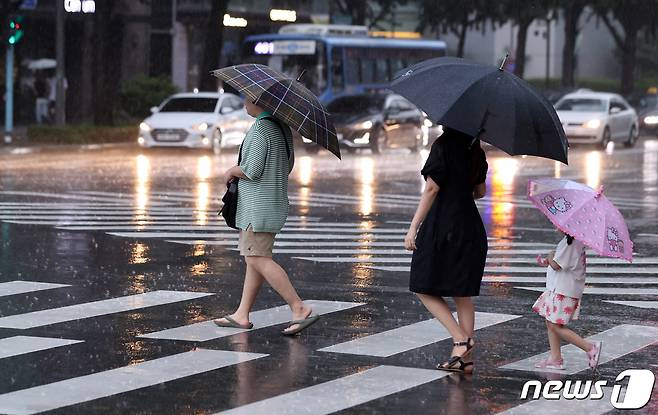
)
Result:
{"points": [[338, 59]]}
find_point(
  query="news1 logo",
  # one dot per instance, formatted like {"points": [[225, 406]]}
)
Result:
{"points": [[637, 391]]}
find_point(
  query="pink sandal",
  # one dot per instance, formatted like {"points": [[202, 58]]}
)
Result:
{"points": [[594, 355], [549, 363]]}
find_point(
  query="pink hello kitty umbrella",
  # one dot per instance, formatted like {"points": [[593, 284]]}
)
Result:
{"points": [[584, 213]]}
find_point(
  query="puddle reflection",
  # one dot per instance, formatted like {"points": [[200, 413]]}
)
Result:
{"points": [[366, 176], [142, 188], [593, 169], [501, 212]]}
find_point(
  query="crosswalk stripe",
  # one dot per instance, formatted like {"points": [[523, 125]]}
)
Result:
{"points": [[593, 280], [207, 330], [490, 260], [96, 308], [412, 336], [134, 221], [18, 345], [339, 394], [124, 379], [22, 287], [606, 291], [341, 243], [77, 197], [365, 251], [564, 406], [212, 227], [617, 342], [234, 234], [638, 304], [536, 270]]}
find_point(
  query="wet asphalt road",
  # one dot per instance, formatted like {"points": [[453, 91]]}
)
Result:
{"points": [[118, 222]]}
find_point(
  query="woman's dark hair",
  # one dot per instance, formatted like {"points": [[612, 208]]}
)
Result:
{"points": [[569, 239], [474, 150]]}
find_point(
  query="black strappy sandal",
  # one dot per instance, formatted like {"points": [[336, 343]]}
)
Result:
{"points": [[450, 364]]}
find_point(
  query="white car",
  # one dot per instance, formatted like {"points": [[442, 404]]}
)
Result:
{"points": [[206, 120], [597, 118]]}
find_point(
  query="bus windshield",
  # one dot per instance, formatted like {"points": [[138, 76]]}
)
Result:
{"points": [[292, 57]]}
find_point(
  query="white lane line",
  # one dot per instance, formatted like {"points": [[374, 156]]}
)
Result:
{"points": [[21, 287], [490, 260], [283, 235], [536, 270], [135, 222], [124, 379], [564, 406], [96, 308], [365, 251], [342, 393], [76, 197], [346, 243], [207, 330], [648, 235], [606, 291], [412, 336], [18, 345], [593, 280], [617, 342], [218, 227], [637, 304]]}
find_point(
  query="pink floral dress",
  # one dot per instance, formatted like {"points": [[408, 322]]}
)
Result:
{"points": [[557, 308]]}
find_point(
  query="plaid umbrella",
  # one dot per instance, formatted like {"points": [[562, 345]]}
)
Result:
{"points": [[287, 99]]}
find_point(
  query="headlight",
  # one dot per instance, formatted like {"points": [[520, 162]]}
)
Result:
{"points": [[651, 119], [427, 122], [144, 126], [595, 123], [366, 125], [200, 127]]}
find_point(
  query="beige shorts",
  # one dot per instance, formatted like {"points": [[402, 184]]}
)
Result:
{"points": [[256, 243]]}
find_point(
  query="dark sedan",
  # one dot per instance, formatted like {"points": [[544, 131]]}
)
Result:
{"points": [[377, 121], [647, 110]]}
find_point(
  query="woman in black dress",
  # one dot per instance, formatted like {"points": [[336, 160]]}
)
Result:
{"points": [[449, 240]]}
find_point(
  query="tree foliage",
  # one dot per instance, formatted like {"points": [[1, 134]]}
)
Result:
{"points": [[366, 13]]}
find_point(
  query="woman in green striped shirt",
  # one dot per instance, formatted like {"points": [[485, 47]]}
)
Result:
{"points": [[267, 158]]}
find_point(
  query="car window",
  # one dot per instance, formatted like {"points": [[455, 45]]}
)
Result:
{"points": [[356, 104], [614, 103], [190, 104], [231, 104], [581, 104]]}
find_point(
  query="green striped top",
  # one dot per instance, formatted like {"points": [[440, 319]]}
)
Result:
{"points": [[263, 198]]}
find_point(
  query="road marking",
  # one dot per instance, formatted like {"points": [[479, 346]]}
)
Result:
{"points": [[606, 291], [365, 251], [21, 287], [18, 345], [564, 406], [490, 260], [283, 235], [412, 336], [78, 197], [124, 379], [638, 304], [342, 243], [593, 280], [211, 227], [207, 330], [534, 270], [342, 393], [96, 308], [617, 342]]}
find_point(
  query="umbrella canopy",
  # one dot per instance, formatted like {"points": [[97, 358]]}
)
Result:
{"points": [[584, 213], [474, 98], [287, 99], [42, 64]]}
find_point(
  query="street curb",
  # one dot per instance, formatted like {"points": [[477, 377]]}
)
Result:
{"points": [[31, 149]]}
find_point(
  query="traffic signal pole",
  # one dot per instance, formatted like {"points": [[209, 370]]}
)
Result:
{"points": [[9, 94]]}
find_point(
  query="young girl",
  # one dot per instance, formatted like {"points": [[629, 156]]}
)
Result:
{"points": [[560, 303]]}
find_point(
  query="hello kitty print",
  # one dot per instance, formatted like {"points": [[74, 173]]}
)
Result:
{"points": [[555, 205], [614, 242]]}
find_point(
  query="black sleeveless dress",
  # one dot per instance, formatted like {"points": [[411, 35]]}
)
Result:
{"points": [[452, 242]]}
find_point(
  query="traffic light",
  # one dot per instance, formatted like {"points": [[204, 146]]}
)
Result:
{"points": [[15, 29]]}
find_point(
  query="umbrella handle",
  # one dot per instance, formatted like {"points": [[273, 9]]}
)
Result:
{"points": [[502, 64]]}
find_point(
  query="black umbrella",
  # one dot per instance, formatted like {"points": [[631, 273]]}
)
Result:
{"points": [[474, 98]]}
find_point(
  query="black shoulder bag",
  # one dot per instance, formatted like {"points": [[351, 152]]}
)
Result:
{"points": [[230, 198]]}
